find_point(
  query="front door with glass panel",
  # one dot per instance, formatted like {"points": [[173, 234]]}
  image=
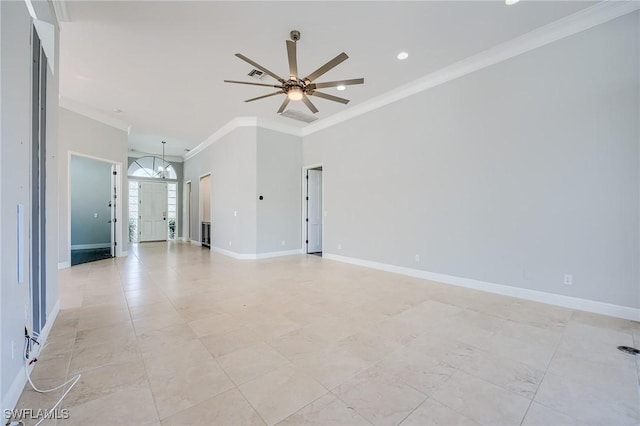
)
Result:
{"points": [[152, 211]]}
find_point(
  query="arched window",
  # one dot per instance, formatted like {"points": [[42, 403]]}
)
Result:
{"points": [[152, 167]]}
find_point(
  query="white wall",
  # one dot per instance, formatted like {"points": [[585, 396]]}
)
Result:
{"points": [[279, 181], [15, 145], [232, 164], [516, 174], [85, 136]]}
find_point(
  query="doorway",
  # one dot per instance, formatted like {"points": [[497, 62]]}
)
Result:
{"points": [[313, 210], [205, 210], [188, 211], [92, 197]]}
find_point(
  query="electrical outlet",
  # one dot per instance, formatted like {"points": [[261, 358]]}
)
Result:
{"points": [[339, 246], [282, 242], [235, 213], [229, 243], [568, 279], [417, 258]]}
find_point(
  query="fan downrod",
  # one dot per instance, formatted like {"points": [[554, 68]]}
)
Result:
{"points": [[295, 35]]}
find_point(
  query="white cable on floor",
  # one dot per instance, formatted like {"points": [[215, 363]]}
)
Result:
{"points": [[52, 410], [35, 388]]}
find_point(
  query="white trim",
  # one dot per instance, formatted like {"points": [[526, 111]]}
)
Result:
{"points": [[168, 158], [304, 206], [90, 246], [94, 114], [123, 254], [119, 192], [278, 253], [237, 123], [61, 11], [200, 204], [618, 311], [590, 17], [232, 253], [256, 256], [196, 243], [17, 385], [222, 132], [64, 265], [278, 127]]}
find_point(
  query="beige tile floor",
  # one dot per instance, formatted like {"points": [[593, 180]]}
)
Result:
{"points": [[177, 335]]}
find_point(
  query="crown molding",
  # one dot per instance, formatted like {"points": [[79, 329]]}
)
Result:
{"points": [[61, 11], [585, 19], [279, 127], [94, 114], [237, 123]]}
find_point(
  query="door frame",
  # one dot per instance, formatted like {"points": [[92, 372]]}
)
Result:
{"points": [[200, 203], [119, 193], [304, 206], [188, 187]]}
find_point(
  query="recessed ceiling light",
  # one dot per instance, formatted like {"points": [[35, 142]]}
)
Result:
{"points": [[341, 87], [511, 2], [117, 110], [402, 56]]}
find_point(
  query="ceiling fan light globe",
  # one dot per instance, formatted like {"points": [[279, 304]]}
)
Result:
{"points": [[295, 94]]}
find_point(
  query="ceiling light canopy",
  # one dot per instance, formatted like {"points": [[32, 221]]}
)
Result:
{"points": [[295, 93], [402, 56]]}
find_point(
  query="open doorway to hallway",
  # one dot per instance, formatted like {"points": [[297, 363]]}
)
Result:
{"points": [[313, 211]]}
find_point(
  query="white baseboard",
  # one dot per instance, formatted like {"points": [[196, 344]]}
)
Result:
{"points": [[278, 254], [618, 311], [17, 385], [123, 254], [90, 246], [196, 243], [64, 265], [255, 256]]}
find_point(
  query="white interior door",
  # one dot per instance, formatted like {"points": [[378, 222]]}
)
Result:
{"points": [[314, 211], [153, 211]]}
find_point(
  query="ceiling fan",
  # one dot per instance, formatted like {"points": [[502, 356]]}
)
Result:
{"points": [[296, 88]]}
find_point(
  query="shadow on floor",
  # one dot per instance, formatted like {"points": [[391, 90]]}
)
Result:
{"points": [[89, 255]]}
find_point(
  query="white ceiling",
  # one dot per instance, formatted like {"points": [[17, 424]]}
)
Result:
{"points": [[163, 63]]}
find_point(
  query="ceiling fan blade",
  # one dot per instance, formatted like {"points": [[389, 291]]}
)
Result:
{"points": [[293, 61], [330, 97], [308, 103], [253, 84], [338, 83], [284, 105], [260, 67], [264, 96], [326, 67]]}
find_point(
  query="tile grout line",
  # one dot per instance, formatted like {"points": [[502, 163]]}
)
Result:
{"points": [[564, 330]]}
